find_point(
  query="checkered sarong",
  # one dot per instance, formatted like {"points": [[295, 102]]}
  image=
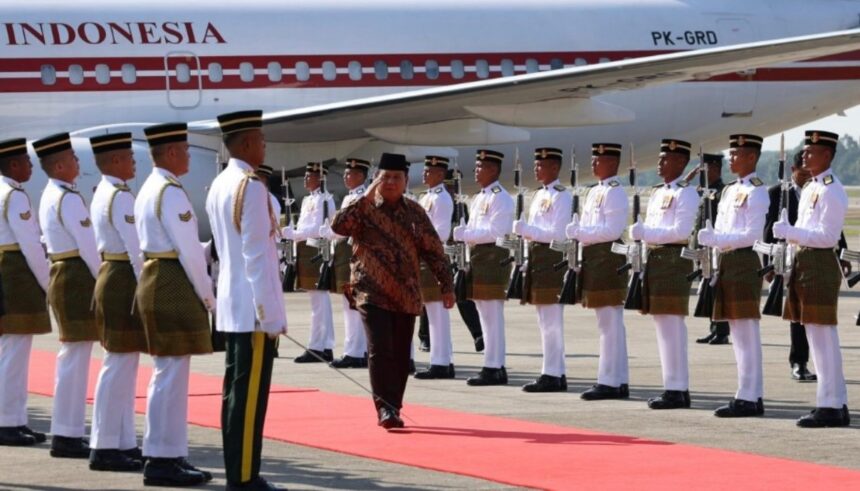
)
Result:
{"points": [[70, 294], [598, 284], [738, 289], [813, 288], [665, 288]]}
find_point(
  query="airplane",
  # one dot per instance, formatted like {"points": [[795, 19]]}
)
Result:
{"points": [[338, 78]]}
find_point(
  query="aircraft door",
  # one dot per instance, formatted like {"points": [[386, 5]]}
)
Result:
{"points": [[738, 97], [183, 78]]}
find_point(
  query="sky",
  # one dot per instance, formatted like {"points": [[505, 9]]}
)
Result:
{"points": [[848, 124]]}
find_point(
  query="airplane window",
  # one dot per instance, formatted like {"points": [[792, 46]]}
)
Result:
{"points": [[507, 68], [129, 74], [216, 73], [76, 74], [275, 72], [604, 60], [380, 68], [102, 74], [183, 73], [49, 75], [406, 71], [580, 62], [303, 71], [555, 64], [329, 70], [458, 71], [482, 68], [431, 69], [532, 65], [354, 70], [246, 71]]}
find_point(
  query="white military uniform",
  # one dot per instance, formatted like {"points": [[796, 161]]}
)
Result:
{"points": [[670, 219], [113, 409], [18, 225], [308, 227], [740, 221], [548, 213], [66, 230], [166, 433], [604, 218], [440, 207], [491, 215]]}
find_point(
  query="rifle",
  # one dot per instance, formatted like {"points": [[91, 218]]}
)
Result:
{"points": [[514, 242], [288, 246], [702, 257], [634, 251], [323, 244], [458, 251], [569, 247], [778, 251]]}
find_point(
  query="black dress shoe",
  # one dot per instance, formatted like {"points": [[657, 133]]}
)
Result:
{"points": [[547, 383], [600, 391], [113, 460], [321, 356], [170, 472], [38, 435], [707, 339], [258, 484], [12, 436], [670, 399], [739, 408], [389, 418], [424, 345], [436, 371], [720, 339], [479, 344], [187, 466], [69, 448], [801, 373], [347, 361], [825, 417], [489, 376]]}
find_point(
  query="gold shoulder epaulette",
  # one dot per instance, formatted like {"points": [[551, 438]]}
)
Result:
{"points": [[438, 190], [185, 217], [755, 181], [559, 188], [169, 182], [122, 187], [70, 190], [496, 190], [682, 183], [828, 179], [614, 184], [173, 182]]}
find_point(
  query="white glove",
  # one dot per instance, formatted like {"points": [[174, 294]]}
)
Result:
{"points": [[782, 228], [637, 231], [706, 235], [572, 229], [459, 232], [289, 233], [326, 232], [519, 226]]}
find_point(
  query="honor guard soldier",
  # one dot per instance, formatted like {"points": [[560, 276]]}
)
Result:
{"points": [[354, 338], [439, 206], [174, 295], [665, 290], [264, 173], [114, 441], [813, 288], [603, 220], [740, 222], [491, 215], [68, 233], [311, 218], [549, 211], [250, 300], [24, 275]]}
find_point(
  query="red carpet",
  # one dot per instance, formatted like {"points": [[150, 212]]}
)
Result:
{"points": [[504, 450]]}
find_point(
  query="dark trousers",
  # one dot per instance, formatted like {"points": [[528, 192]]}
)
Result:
{"points": [[247, 378], [720, 328], [389, 335], [468, 312], [799, 352]]}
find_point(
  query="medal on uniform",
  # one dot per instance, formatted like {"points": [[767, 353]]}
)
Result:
{"points": [[545, 205], [485, 207], [598, 202], [740, 199], [814, 200], [667, 201]]}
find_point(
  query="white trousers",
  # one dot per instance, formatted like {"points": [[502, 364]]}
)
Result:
{"points": [[746, 341], [492, 315], [441, 346], [68, 416], [322, 328], [824, 344], [14, 367], [672, 344], [612, 368], [166, 434], [354, 338], [551, 323], [113, 410]]}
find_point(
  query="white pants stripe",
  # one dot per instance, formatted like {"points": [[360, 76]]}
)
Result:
{"points": [[492, 314], [113, 410], [322, 328], [824, 345], [14, 367], [354, 337], [551, 323], [612, 369], [746, 342], [441, 346], [672, 344], [166, 434], [68, 416]]}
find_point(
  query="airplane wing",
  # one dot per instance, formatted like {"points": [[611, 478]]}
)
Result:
{"points": [[507, 100]]}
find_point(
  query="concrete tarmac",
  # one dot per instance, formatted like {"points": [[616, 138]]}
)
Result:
{"points": [[713, 381]]}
